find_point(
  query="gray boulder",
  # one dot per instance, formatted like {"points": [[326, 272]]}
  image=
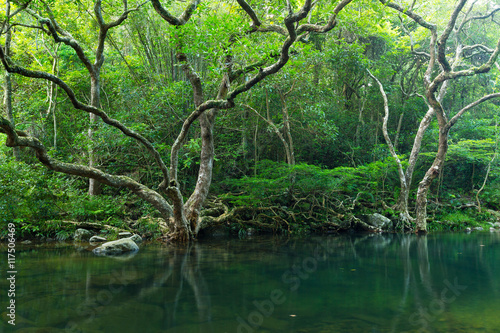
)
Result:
{"points": [[378, 221], [136, 238], [478, 228], [82, 234], [116, 247]]}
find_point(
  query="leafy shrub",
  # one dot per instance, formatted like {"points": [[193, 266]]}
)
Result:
{"points": [[26, 192]]}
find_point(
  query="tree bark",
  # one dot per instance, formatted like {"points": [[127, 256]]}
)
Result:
{"points": [[7, 88], [403, 207], [425, 183], [95, 101]]}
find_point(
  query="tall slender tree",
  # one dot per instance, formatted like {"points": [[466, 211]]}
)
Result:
{"points": [[453, 37]]}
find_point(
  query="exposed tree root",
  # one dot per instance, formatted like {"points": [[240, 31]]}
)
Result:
{"points": [[93, 226]]}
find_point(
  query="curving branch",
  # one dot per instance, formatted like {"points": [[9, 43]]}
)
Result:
{"points": [[272, 28], [207, 105], [332, 21], [247, 69], [249, 10], [10, 67], [478, 46], [441, 50], [412, 42], [104, 27], [429, 26], [482, 17], [61, 36], [195, 81], [410, 13], [402, 177], [459, 114], [182, 19], [290, 22], [14, 140], [484, 68]]}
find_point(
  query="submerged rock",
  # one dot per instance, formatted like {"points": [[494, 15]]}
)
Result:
{"points": [[82, 234], [116, 247]]}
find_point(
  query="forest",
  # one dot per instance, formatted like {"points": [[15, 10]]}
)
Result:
{"points": [[179, 119]]}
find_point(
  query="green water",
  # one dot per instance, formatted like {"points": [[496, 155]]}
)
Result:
{"points": [[374, 283]]}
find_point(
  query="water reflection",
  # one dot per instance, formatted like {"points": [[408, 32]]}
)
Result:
{"points": [[350, 283]]}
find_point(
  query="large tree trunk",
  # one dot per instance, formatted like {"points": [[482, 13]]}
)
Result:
{"points": [[424, 185], [195, 202], [402, 202]]}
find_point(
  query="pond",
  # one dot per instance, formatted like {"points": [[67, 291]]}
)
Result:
{"points": [[345, 283]]}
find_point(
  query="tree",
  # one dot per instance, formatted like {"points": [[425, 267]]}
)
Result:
{"points": [[453, 36], [7, 97], [184, 217]]}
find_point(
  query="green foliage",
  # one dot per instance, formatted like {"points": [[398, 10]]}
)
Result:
{"points": [[26, 192], [490, 196], [95, 208], [460, 219], [148, 227], [308, 188]]}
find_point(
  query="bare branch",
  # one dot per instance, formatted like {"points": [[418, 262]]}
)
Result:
{"points": [[482, 17], [332, 21], [290, 22], [247, 69], [470, 106], [441, 51], [484, 68], [478, 46], [272, 28]]}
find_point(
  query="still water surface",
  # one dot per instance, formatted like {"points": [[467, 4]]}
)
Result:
{"points": [[348, 283]]}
